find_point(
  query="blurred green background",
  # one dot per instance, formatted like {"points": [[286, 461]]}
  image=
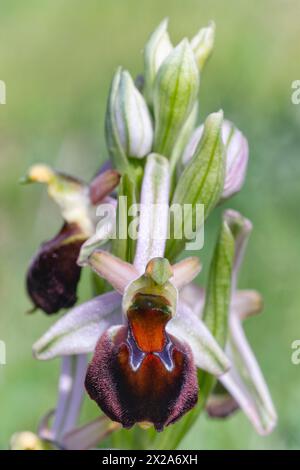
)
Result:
{"points": [[57, 59]]}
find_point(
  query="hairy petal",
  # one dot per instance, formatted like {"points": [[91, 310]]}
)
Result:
{"points": [[77, 332]]}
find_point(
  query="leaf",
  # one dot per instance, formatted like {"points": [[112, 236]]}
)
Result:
{"points": [[207, 353]]}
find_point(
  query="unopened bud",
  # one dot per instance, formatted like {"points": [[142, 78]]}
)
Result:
{"points": [[175, 93], [156, 51], [236, 148], [128, 123]]}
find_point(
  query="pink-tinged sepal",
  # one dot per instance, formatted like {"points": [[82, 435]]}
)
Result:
{"points": [[53, 274]]}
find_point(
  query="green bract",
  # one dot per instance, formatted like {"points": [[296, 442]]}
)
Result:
{"points": [[175, 93], [201, 182]]}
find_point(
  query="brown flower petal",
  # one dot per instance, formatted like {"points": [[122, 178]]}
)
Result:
{"points": [[221, 405], [53, 273]]}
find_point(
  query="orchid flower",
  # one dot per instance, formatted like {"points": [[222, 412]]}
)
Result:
{"points": [[53, 273], [141, 330]]}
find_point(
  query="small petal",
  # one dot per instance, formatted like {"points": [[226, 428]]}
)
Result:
{"points": [[207, 353], [53, 274], [117, 272], [246, 303], [103, 184], [185, 271], [77, 332]]}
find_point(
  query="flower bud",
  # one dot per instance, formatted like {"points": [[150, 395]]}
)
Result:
{"points": [[200, 183], [26, 440], [156, 51], [202, 44], [129, 130], [175, 93], [236, 148]]}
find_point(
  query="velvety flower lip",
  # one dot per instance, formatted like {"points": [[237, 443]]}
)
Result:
{"points": [[53, 274], [150, 392]]}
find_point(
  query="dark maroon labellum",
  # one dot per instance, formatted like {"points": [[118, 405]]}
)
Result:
{"points": [[140, 373], [53, 274]]}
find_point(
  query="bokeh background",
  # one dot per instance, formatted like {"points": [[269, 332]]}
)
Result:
{"points": [[57, 59]]}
